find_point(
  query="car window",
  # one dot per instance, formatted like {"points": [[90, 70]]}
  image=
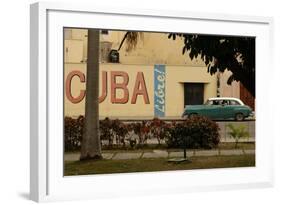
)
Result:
{"points": [[216, 102], [234, 102], [224, 102], [211, 102]]}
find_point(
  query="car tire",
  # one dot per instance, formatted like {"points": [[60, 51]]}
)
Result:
{"points": [[239, 117]]}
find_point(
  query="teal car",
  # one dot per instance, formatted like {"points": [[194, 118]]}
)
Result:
{"points": [[220, 109]]}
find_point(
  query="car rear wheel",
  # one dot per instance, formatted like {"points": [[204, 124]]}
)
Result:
{"points": [[239, 117]]}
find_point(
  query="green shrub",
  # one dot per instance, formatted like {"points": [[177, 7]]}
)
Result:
{"points": [[73, 132], [120, 131], [106, 132], [110, 130], [142, 130], [195, 132], [157, 129]]}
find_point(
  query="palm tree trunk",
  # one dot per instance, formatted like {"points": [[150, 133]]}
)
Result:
{"points": [[91, 146]]}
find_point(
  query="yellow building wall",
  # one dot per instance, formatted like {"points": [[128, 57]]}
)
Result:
{"points": [[226, 90], [174, 103], [107, 109], [151, 49], [73, 51], [176, 76], [157, 48]]}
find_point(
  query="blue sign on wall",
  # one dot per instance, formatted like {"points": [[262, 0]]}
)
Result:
{"points": [[159, 90]]}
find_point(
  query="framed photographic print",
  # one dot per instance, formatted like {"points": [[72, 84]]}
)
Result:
{"points": [[149, 101]]}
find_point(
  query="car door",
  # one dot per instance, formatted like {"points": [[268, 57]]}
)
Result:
{"points": [[212, 109], [224, 110], [234, 107], [227, 110]]}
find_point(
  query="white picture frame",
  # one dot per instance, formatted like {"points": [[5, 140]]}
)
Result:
{"points": [[47, 182]]}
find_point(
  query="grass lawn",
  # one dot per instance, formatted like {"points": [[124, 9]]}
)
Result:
{"points": [[160, 164]]}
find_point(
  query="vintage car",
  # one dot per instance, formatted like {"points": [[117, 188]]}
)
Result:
{"points": [[220, 109]]}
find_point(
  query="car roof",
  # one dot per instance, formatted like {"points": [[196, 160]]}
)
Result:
{"points": [[227, 98]]}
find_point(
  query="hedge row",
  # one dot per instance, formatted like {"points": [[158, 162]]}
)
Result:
{"points": [[195, 132]]}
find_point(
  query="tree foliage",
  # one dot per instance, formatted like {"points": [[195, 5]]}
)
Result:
{"points": [[132, 38], [220, 53]]}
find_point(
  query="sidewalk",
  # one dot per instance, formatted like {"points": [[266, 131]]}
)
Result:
{"points": [[162, 154]]}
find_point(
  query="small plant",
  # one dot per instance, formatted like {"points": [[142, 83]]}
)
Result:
{"points": [[237, 132]]}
